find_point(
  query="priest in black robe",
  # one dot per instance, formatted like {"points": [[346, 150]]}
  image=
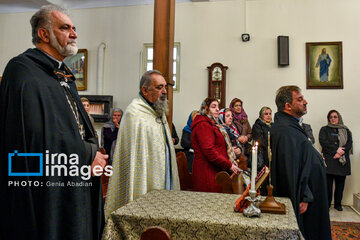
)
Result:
{"points": [[298, 170], [41, 113]]}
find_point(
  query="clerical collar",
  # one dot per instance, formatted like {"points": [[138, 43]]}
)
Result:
{"points": [[51, 57]]}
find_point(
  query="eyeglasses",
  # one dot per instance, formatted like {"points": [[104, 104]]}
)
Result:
{"points": [[333, 117]]}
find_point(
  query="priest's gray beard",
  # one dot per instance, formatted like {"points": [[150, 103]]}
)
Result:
{"points": [[161, 106], [69, 50]]}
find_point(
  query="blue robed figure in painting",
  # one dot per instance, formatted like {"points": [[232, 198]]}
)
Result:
{"points": [[324, 61]]}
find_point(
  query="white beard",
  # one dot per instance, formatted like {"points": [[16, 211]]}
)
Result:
{"points": [[161, 106], [69, 50]]}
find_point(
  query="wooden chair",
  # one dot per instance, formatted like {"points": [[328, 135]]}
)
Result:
{"points": [[235, 183], [230, 184], [184, 174], [155, 233]]}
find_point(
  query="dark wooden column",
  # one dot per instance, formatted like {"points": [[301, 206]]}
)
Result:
{"points": [[164, 21]]}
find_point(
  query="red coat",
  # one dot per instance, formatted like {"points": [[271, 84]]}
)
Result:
{"points": [[210, 154]]}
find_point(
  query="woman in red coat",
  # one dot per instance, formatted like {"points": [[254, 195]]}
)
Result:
{"points": [[212, 148]]}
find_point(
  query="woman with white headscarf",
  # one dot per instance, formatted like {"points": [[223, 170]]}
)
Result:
{"points": [[336, 142], [260, 131]]}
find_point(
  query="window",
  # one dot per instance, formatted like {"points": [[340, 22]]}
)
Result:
{"points": [[148, 58]]}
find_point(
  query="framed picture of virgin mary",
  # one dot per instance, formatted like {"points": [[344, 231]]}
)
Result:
{"points": [[324, 69], [78, 66]]}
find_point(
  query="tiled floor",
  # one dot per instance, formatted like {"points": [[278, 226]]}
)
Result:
{"points": [[347, 215]]}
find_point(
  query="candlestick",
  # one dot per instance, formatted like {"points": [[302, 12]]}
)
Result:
{"points": [[270, 205], [269, 156], [269, 144], [252, 210], [253, 168]]}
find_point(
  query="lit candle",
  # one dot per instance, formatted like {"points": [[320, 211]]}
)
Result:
{"points": [[256, 150], [253, 168]]}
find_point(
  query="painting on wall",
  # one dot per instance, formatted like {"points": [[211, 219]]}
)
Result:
{"points": [[78, 66], [324, 69]]}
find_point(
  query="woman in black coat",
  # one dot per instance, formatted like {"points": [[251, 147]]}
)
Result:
{"points": [[260, 131], [336, 142], [109, 133]]}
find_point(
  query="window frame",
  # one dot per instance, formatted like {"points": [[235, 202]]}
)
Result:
{"points": [[176, 59]]}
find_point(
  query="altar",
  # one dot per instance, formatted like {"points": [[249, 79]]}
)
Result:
{"points": [[198, 215]]}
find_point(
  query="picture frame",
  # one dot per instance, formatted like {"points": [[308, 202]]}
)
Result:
{"points": [[324, 66], [100, 106], [78, 66]]}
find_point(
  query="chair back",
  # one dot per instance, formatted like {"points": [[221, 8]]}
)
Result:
{"points": [[184, 174], [155, 233], [230, 184]]}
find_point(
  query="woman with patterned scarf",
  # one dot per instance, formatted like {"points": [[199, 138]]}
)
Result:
{"points": [[242, 124], [212, 148], [336, 142], [226, 119]]}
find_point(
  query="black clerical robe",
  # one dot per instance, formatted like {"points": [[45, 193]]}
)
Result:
{"points": [[35, 116], [298, 172]]}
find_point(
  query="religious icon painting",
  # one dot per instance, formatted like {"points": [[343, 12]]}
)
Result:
{"points": [[324, 68], [78, 66]]}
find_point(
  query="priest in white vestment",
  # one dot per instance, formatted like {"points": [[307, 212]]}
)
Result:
{"points": [[144, 157]]}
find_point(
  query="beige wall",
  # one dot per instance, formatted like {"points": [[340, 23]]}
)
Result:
{"points": [[210, 32]]}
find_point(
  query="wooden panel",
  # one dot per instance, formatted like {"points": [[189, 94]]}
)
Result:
{"points": [[164, 19]]}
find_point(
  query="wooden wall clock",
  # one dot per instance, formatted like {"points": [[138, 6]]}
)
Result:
{"points": [[217, 83]]}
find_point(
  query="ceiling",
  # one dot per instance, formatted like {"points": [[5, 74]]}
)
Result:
{"points": [[11, 6]]}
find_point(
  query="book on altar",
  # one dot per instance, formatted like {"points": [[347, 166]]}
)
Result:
{"points": [[261, 177]]}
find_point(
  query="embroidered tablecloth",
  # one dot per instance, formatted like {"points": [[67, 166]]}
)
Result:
{"points": [[197, 215]]}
